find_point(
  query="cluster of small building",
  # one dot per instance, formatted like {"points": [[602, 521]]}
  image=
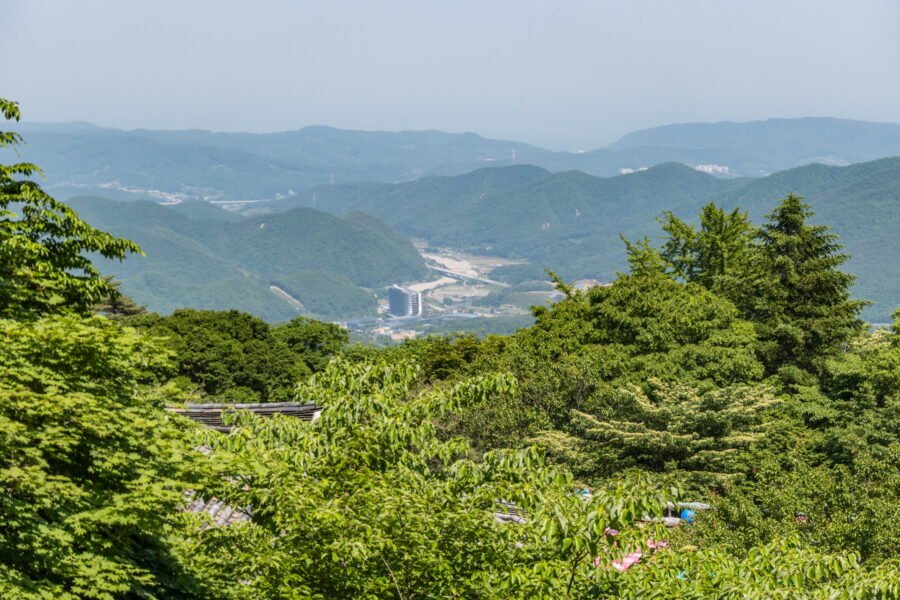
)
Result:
{"points": [[713, 169], [396, 335]]}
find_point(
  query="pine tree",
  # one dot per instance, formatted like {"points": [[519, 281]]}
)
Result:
{"points": [[713, 255], [116, 305], [801, 303], [643, 259], [665, 425]]}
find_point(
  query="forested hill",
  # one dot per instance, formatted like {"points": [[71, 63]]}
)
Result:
{"points": [[571, 221], [81, 158], [199, 256]]}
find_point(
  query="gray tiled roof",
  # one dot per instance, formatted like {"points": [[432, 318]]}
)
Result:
{"points": [[222, 514], [211, 414]]}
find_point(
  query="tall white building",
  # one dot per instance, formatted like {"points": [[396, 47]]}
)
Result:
{"points": [[404, 302]]}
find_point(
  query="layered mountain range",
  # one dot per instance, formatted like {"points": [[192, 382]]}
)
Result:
{"points": [[279, 253], [82, 158], [571, 222]]}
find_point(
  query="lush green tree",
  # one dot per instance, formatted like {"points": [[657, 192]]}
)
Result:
{"points": [[860, 397], [647, 324], [314, 341], [713, 255], [228, 355], [802, 305], [553, 380], [368, 501], [583, 350], [835, 508], [783, 276], [643, 259], [673, 427], [440, 357], [93, 471], [785, 568], [43, 245], [831, 455], [650, 325], [117, 305]]}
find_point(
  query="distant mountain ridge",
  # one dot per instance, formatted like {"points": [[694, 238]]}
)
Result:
{"points": [[801, 141], [815, 133], [81, 158]]}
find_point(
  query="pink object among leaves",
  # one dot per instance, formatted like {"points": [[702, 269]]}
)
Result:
{"points": [[629, 560], [632, 558]]}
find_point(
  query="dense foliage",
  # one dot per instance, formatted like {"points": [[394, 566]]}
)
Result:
{"points": [[535, 465], [93, 470], [664, 370], [236, 357], [783, 276]]}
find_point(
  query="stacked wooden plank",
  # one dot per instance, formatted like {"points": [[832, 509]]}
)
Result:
{"points": [[210, 415]]}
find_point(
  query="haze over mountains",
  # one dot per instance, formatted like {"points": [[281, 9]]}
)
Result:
{"points": [[81, 158], [558, 210]]}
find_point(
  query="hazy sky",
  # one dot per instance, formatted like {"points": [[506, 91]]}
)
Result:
{"points": [[557, 73]]}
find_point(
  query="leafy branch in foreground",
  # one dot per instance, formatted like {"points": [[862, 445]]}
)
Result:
{"points": [[43, 245]]}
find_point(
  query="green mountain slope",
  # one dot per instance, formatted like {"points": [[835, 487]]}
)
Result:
{"points": [[409, 203], [571, 221], [525, 211], [862, 203], [206, 261]]}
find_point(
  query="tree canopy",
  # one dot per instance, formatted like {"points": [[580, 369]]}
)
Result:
{"points": [[228, 355], [93, 470], [803, 304]]}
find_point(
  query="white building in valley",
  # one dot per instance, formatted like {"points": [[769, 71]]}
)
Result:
{"points": [[404, 302]]}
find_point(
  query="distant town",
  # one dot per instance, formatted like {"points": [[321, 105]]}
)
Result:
{"points": [[461, 290]]}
